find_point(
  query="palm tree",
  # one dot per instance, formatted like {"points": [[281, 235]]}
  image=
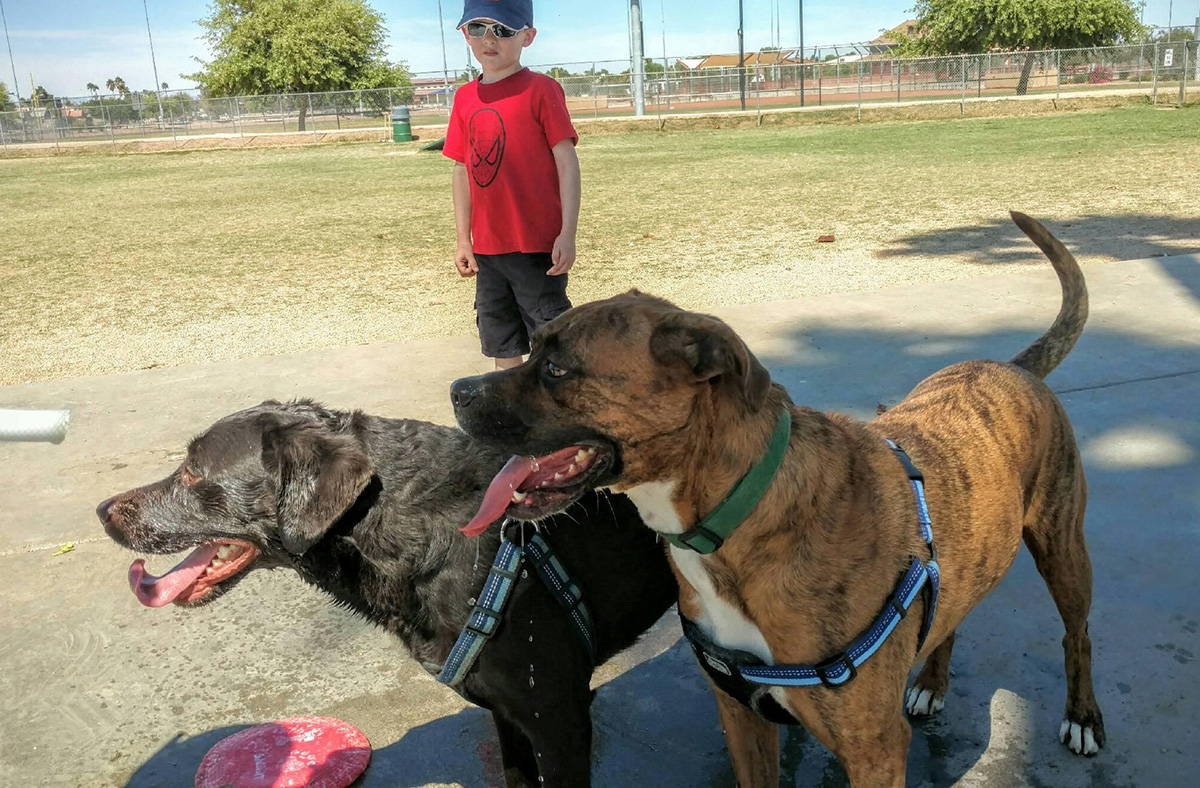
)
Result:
{"points": [[111, 84], [93, 88]]}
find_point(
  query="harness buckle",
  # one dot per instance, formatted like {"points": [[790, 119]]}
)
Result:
{"points": [[483, 611], [824, 669]]}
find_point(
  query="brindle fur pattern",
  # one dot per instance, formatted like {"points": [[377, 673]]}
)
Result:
{"points": [[678, 399]]}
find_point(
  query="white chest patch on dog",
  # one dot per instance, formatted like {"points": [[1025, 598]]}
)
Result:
{"points": [[720, 620]]}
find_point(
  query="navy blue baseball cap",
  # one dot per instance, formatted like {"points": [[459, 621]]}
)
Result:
{"points": [[510, 13]]}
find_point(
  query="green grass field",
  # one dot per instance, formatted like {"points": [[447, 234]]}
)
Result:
{"points": [[115, 263]]}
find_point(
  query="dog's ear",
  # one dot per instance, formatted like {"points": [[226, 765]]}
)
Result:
{"points": [[319, 475], [712, 351]]}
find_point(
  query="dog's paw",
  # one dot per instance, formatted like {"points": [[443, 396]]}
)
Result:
{"points": [[1081, 739], [921, 702]]}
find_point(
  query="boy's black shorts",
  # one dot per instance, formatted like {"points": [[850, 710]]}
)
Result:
{"points": [[513, 296]]}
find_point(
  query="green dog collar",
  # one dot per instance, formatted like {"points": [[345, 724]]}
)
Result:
{"points": [[710, 533]]}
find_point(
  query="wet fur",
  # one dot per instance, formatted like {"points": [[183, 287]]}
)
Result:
{"points": [[367, 509]]}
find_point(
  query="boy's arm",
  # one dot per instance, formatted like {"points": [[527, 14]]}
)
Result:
{"points": [[464, 255], [567, 162]]}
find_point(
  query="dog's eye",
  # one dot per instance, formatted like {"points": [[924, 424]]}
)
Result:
{"points": [[554, 370]]}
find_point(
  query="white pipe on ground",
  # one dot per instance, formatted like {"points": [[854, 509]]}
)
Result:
{"points": [[34, 425]]}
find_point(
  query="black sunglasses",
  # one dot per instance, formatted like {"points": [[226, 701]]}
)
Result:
{"points": [[479, 30]]}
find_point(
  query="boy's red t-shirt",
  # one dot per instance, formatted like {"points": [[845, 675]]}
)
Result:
{"points": [[504, 133]]}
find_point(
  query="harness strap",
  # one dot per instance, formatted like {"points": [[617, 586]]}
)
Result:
{"points": [[565, 590], [726, 667], [486, 616], [917, 480]]}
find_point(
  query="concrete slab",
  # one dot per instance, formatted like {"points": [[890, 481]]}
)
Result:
{"points": [[97, 691]]}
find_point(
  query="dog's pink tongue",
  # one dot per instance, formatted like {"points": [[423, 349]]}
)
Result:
{"points": [[154, 591], [499, 495]]}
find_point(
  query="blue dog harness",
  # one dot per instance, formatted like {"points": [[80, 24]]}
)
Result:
{"points": [[747, 678], [485, 618]]}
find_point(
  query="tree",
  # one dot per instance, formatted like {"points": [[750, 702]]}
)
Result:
{"points": [[1174, 36], [5, 102], [952, 27], [93, 88], [117, 85], [296, 46]]}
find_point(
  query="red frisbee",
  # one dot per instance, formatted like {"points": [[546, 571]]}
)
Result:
{"points": [[303, 752]]}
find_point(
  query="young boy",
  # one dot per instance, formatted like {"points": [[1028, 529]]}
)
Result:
{"points": [[516, 182]]}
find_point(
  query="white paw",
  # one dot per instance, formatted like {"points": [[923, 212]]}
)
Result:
{"points": [[1081, 740], [922, 702]]}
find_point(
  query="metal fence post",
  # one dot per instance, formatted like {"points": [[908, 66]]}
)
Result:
{"points": [[963, 107], [820, 84], [595, 92], [859, 91], [896, 76], [1187, 49], [104, 119], [1058, 75], [1154, 87], [282, 119]]}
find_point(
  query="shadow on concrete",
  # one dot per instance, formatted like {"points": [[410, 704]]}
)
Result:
{"points": [[1136, 420], [1123, 237], [176, 762]]}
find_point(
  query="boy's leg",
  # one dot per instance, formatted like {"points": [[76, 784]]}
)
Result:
{"points": [[502, 332], [541, 298]]}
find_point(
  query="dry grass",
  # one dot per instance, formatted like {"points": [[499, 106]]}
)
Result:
{"points": [[116, 263]]}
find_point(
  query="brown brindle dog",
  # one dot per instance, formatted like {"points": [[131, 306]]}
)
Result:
{"points": [[671, 408]]}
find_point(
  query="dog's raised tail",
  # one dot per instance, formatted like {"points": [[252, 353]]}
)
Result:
{"points": [[1051, 348]]}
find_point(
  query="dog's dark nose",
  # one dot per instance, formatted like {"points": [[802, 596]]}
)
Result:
{"points": [[104, 510], [463, 392]]}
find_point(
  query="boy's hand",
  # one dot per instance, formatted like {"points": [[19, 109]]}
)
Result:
{"points": [[464, 261], [563, 255]]}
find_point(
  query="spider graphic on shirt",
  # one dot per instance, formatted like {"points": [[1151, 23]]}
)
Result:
{"points": [[488, 139]]}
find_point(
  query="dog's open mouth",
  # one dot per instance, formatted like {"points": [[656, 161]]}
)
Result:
{"points": [[193, 578], [529, 488]]}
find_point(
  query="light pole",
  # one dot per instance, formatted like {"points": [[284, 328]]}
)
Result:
{"points": [[16, 85], [742, 52], [802, 53], [638, 74], [445, 66], [157, 94]]}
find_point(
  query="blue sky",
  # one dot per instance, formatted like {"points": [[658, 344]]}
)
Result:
{"points": [[67, 43]]}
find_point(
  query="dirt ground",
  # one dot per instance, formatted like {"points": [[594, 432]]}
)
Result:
{"points": [[167, 260]]}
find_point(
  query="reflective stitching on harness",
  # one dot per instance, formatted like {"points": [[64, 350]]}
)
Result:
{"points": [[484, 619], [565, 590], [486, 616]]}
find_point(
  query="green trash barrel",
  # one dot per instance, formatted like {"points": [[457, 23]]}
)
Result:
{"points": [[401, 125]]}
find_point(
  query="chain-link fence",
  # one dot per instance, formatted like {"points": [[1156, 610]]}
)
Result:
{"points": [[1166, 71]]}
